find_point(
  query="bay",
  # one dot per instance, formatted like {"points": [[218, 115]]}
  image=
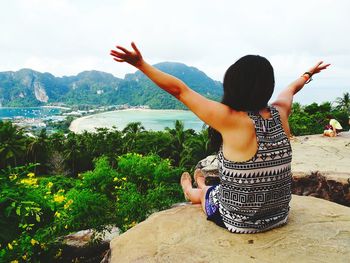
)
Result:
{"points": [[28, 112], [155, 120]]}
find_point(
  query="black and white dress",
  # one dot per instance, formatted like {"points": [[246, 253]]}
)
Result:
{"points": [[253, 196]]}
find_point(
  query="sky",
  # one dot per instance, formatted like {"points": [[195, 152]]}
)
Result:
{"points": [[65, 37]]}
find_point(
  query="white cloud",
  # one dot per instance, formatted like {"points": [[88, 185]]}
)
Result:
{"points": [[65, 37]]}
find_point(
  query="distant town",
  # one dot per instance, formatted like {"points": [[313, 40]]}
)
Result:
{"points": [[52, 122]]}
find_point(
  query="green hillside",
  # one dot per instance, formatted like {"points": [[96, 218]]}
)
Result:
{"points": [[27, 87]]}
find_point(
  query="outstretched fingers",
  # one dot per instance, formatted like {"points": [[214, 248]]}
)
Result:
{"points": [[318, 67], [321, 67], [119, 60], [117, 56], [121, 54], [135, 48], [123, 49]]}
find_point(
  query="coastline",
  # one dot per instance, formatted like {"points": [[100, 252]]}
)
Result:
{"points": [[55, 107], [74, 126]]}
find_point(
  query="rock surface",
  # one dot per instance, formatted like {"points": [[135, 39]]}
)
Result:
{"points": [[320, 153], [317, 231]]}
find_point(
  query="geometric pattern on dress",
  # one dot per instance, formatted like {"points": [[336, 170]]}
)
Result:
{"points": [[254, 196]]}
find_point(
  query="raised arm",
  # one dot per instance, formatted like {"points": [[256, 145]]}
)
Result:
{"points": [[213, 113], [285, 98]]}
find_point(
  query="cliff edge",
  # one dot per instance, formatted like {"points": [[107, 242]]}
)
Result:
{"points": [[317, 231]]}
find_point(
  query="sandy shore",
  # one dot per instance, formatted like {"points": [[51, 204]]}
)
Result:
{"points": [[56, 107], [74, 125]]}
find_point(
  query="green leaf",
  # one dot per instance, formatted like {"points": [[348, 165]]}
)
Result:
{"points": [[18, 210], [37, 217]]}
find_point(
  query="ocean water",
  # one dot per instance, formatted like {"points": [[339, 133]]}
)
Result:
{"points": [[155, 120], [30, 112]]}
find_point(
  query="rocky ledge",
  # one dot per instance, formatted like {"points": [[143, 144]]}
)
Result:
{"points": [[317, 231]]}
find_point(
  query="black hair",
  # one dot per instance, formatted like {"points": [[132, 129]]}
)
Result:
{"points": [[248, 86]]}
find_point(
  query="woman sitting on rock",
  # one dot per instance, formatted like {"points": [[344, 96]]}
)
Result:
{"points": [[254, 154]]}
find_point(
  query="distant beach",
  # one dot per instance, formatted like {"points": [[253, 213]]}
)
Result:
{"points": [[56, 107], [151, 119]]}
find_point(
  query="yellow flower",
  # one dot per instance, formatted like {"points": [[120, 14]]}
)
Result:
{"points": [[24, 257], [13, 177], [33, 242], [67, 205], [57, 214], [124, 178], [30, 181], [115, 179], [58, 198], [66, 226], [60, 191], [30, 175], [14, 261], [10, 246], [49, 184]]}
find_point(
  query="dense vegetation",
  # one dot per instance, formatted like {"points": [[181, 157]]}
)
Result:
{"points": [[313, 118], [52, 185], [22, 88]]}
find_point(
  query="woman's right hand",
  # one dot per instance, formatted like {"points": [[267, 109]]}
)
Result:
{"points": [[134, 57], [318, 68]]}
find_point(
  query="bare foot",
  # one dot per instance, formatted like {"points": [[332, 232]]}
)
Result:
{"points": [[186, 183], [199, 178]]}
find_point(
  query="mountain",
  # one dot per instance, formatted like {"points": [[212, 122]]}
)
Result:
{"points": [[27, 87]]}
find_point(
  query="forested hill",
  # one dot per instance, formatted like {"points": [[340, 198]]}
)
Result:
{"points": [[27, 87]]}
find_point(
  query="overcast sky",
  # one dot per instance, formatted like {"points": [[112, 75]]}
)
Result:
{"points": [[65, 37]]}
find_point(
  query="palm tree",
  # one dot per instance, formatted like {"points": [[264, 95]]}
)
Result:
{"points": [[37, 149], [196, 148], [344, 102], [134, 128], [130, 135], [179, 137], [72, 152], [12, 144]]}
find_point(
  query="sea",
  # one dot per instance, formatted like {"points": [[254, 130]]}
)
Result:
{"points": [[156, 120]]}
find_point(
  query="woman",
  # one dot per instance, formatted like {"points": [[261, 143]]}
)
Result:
{"points": [[254, 154]]}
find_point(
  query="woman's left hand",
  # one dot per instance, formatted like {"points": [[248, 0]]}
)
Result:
{"points": [[318, 68], [134, 57]]}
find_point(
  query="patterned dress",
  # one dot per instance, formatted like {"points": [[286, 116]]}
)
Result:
{"points": [[253, 196]]}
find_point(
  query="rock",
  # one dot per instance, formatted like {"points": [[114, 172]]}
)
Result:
{"points": [[320, 153], [84, 237], [87, 244], [39, 92], [209, 168], [334, 187], [209, 165], [317, 231]]}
